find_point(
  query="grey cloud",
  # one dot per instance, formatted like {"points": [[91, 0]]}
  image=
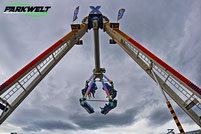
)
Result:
{"points": [[98, 120], [159, 116], [112, 119], [199, 74], [49, 125], [37, 112], [158, 25]]}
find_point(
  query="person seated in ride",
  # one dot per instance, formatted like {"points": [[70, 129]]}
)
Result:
{"points": [[111, 105], [86, 106], [112, 91], [92, 90]]}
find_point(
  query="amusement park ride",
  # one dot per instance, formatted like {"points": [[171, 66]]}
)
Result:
{"points": [[186, 94]]}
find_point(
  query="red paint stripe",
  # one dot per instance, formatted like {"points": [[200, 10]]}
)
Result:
{"points": [[159, 61], [163, 64], [3, 86], [32, 63]]}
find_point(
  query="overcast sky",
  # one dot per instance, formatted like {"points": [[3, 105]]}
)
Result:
{"points": [[170, 29]]}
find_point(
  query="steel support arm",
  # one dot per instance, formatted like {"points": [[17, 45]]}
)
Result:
{"points": [[173, 83], [19, 86]]}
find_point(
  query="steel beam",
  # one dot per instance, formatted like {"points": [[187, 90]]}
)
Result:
{"points": [[120, 40], [70, 42], [96, 46]]}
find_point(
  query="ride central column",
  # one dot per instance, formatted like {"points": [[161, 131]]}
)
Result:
{"points": [[96, 46]]}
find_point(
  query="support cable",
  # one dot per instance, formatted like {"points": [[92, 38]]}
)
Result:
{"points": [[169, 106]]}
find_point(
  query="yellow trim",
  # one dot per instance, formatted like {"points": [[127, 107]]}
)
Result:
{"points": [[81, 26], [170, 109], [74, 30], [173, 115], [167, 102], [122, 33], [180, 127], [67, 35], [176, 121]]}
